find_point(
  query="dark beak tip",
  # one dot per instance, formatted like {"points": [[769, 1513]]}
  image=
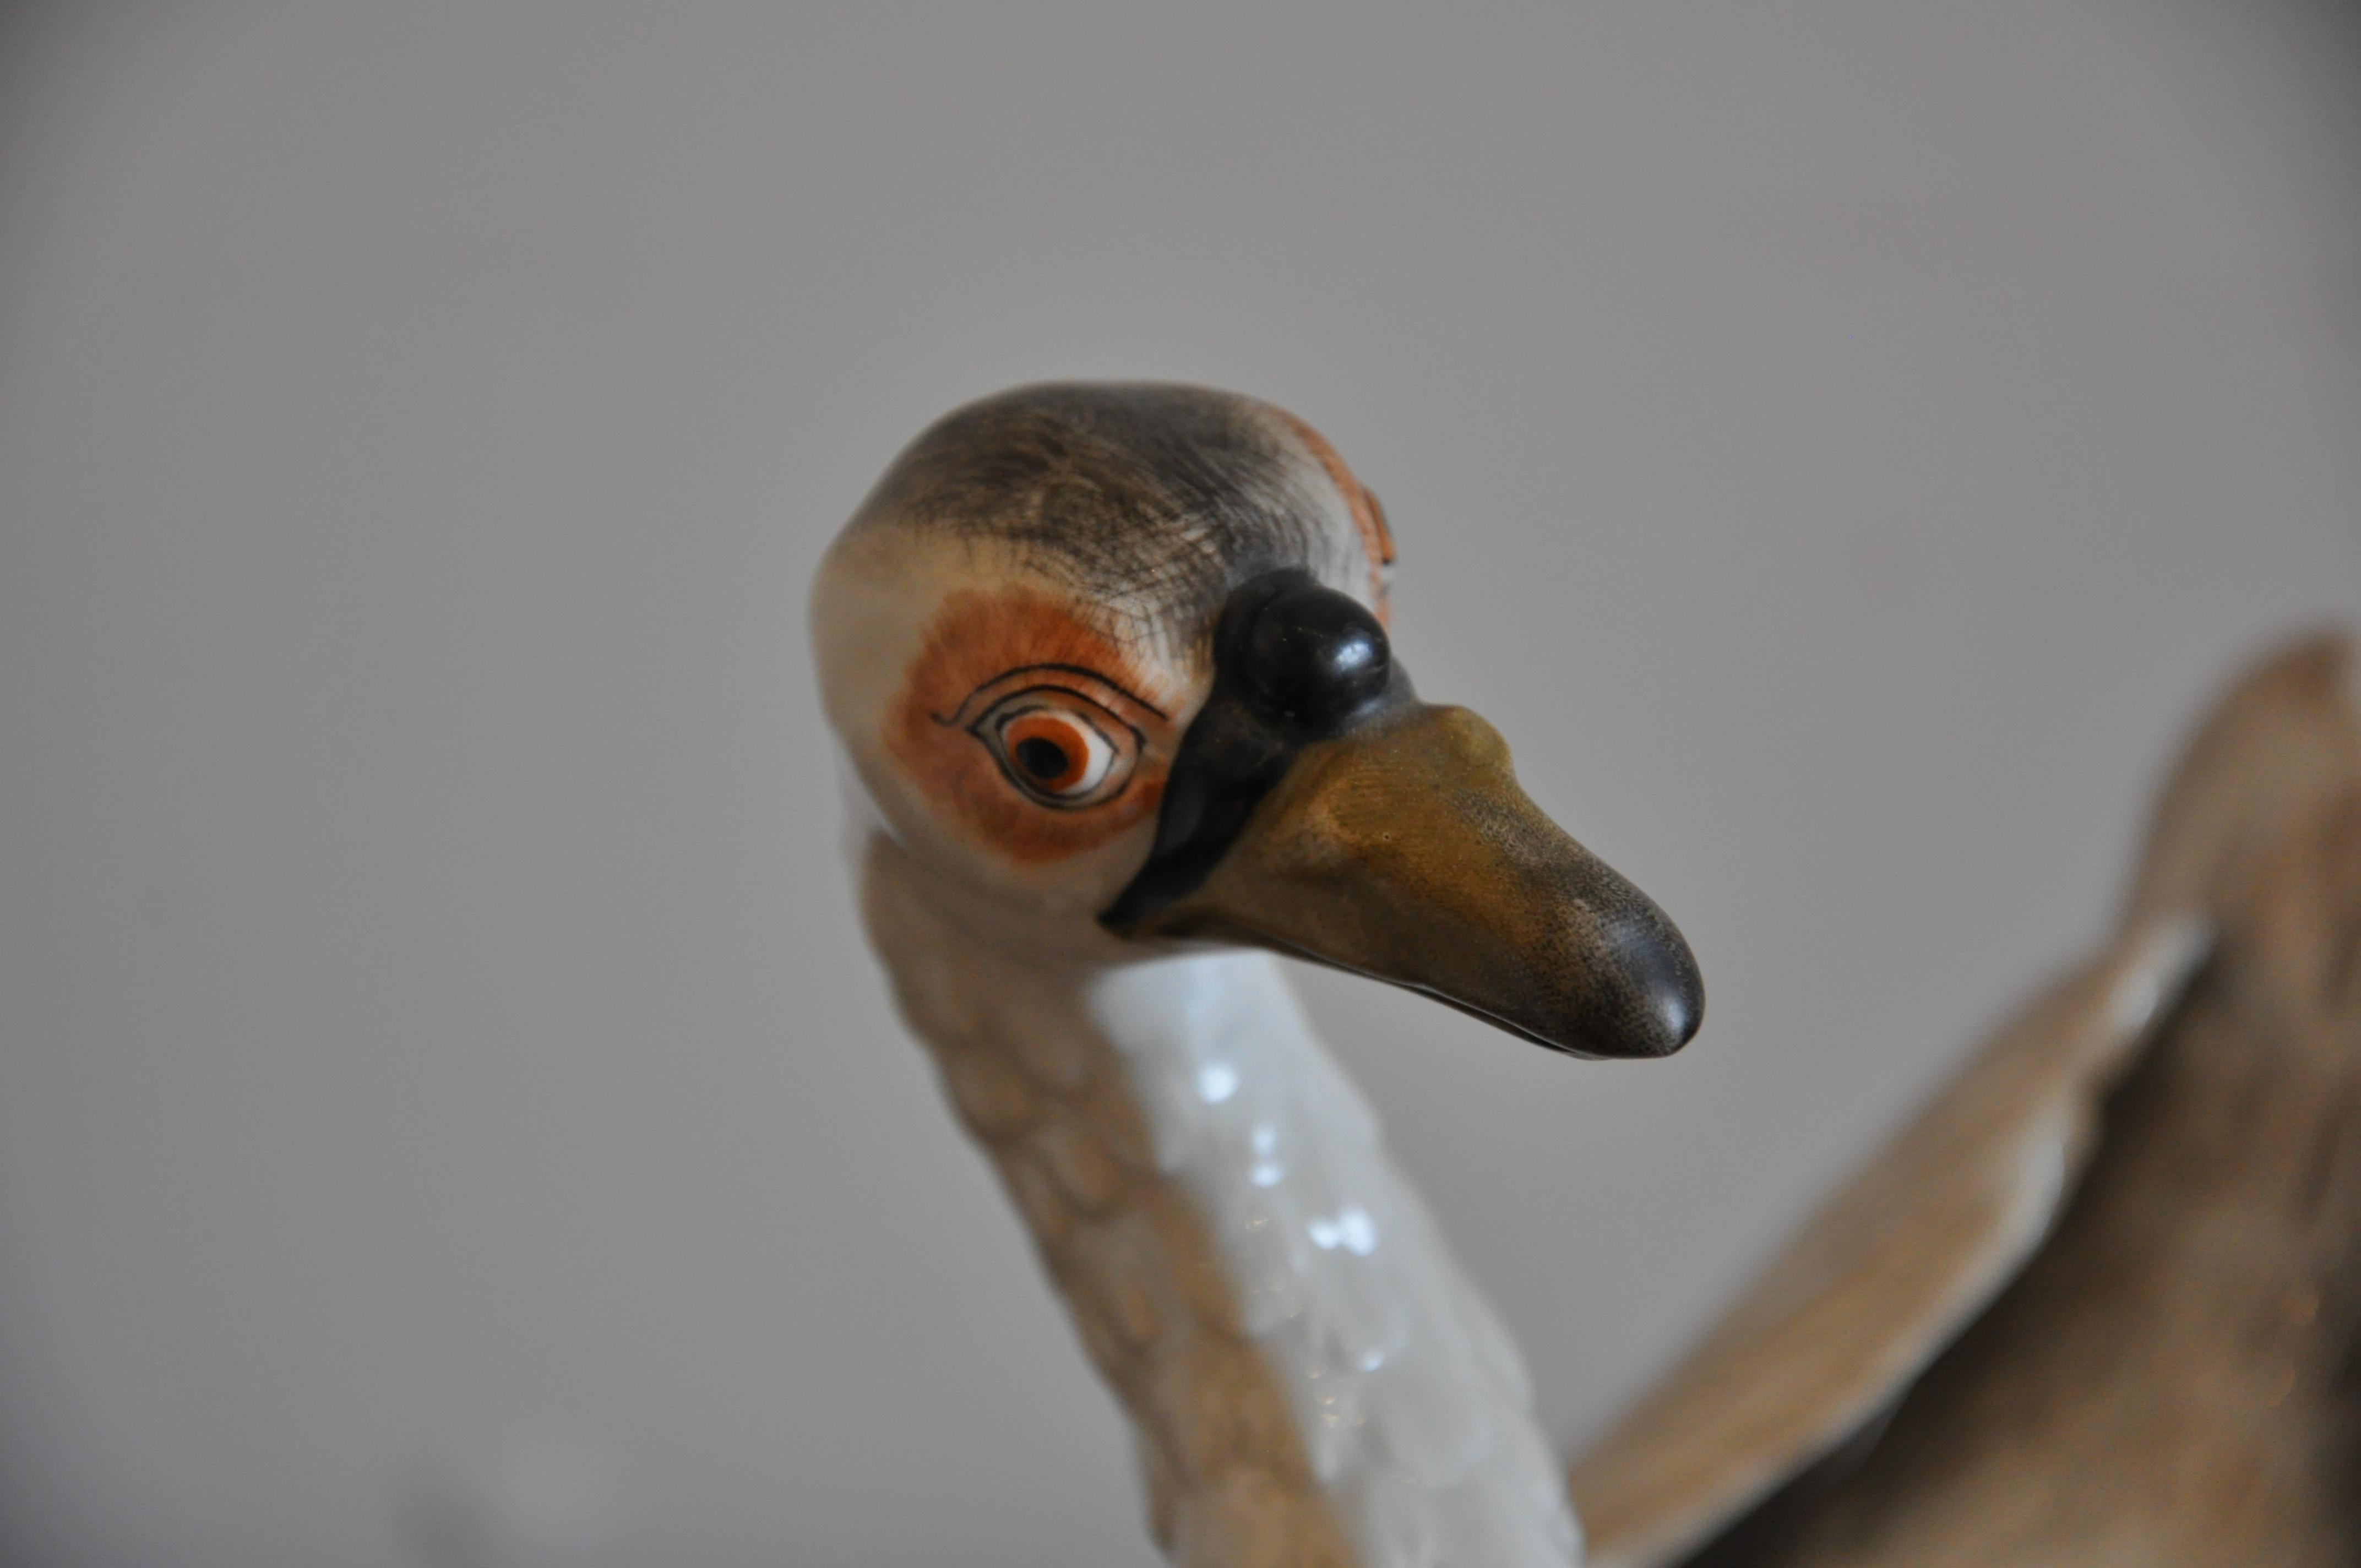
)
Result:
{"points": [[1679, 1014], [1680, 1006], [1649, 1037], [1658, 1008]]}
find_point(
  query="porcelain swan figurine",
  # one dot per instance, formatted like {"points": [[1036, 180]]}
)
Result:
{"points": [[1110, 667]]}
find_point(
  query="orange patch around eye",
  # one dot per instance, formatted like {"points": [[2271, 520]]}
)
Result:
{"points": [[1377, 539], [979, 636]]}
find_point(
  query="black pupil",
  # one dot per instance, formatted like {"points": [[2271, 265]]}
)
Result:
{"points": [[1044, 760]]}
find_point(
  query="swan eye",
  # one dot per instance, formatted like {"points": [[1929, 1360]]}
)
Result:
{"points": [[1059, 747]]}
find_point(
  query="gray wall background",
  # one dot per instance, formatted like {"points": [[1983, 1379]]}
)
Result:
{"points": [[446, 1114]]}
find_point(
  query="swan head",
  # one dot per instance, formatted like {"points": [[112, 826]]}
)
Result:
{"points": [[1111, 661]]}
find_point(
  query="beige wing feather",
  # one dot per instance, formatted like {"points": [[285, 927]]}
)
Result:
{"points": [[1908, 1252]]}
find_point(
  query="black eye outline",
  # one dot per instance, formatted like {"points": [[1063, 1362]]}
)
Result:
{"points": [[1119, 743], [992, 707]]}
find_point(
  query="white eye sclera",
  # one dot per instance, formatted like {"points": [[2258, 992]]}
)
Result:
{"points": [[1059, 747]]}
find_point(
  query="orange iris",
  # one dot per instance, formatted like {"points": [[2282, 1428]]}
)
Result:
{"points": [[1051, 750]]}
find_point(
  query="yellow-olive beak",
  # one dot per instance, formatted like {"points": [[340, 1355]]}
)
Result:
{"points": [[1403, 849]]}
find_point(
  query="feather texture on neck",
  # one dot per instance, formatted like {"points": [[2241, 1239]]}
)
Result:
{"points": [[1310, 1379]]}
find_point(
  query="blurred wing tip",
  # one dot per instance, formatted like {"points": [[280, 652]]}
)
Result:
{"points": [[1911, 1250]]}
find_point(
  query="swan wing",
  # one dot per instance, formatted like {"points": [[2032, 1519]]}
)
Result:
{"points": [[1908, 1252]]}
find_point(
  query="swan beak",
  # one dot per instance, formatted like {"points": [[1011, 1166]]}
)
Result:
{"points": [[1403, 849]]}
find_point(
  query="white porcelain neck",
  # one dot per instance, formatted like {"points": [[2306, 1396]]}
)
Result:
{"points": [[1312, 1376]]}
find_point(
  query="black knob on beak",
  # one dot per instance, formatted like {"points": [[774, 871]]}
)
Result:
{"points": [[1313, 655]]}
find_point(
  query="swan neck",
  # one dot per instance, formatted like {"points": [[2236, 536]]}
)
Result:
{"points": [[1311, 1378]]}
